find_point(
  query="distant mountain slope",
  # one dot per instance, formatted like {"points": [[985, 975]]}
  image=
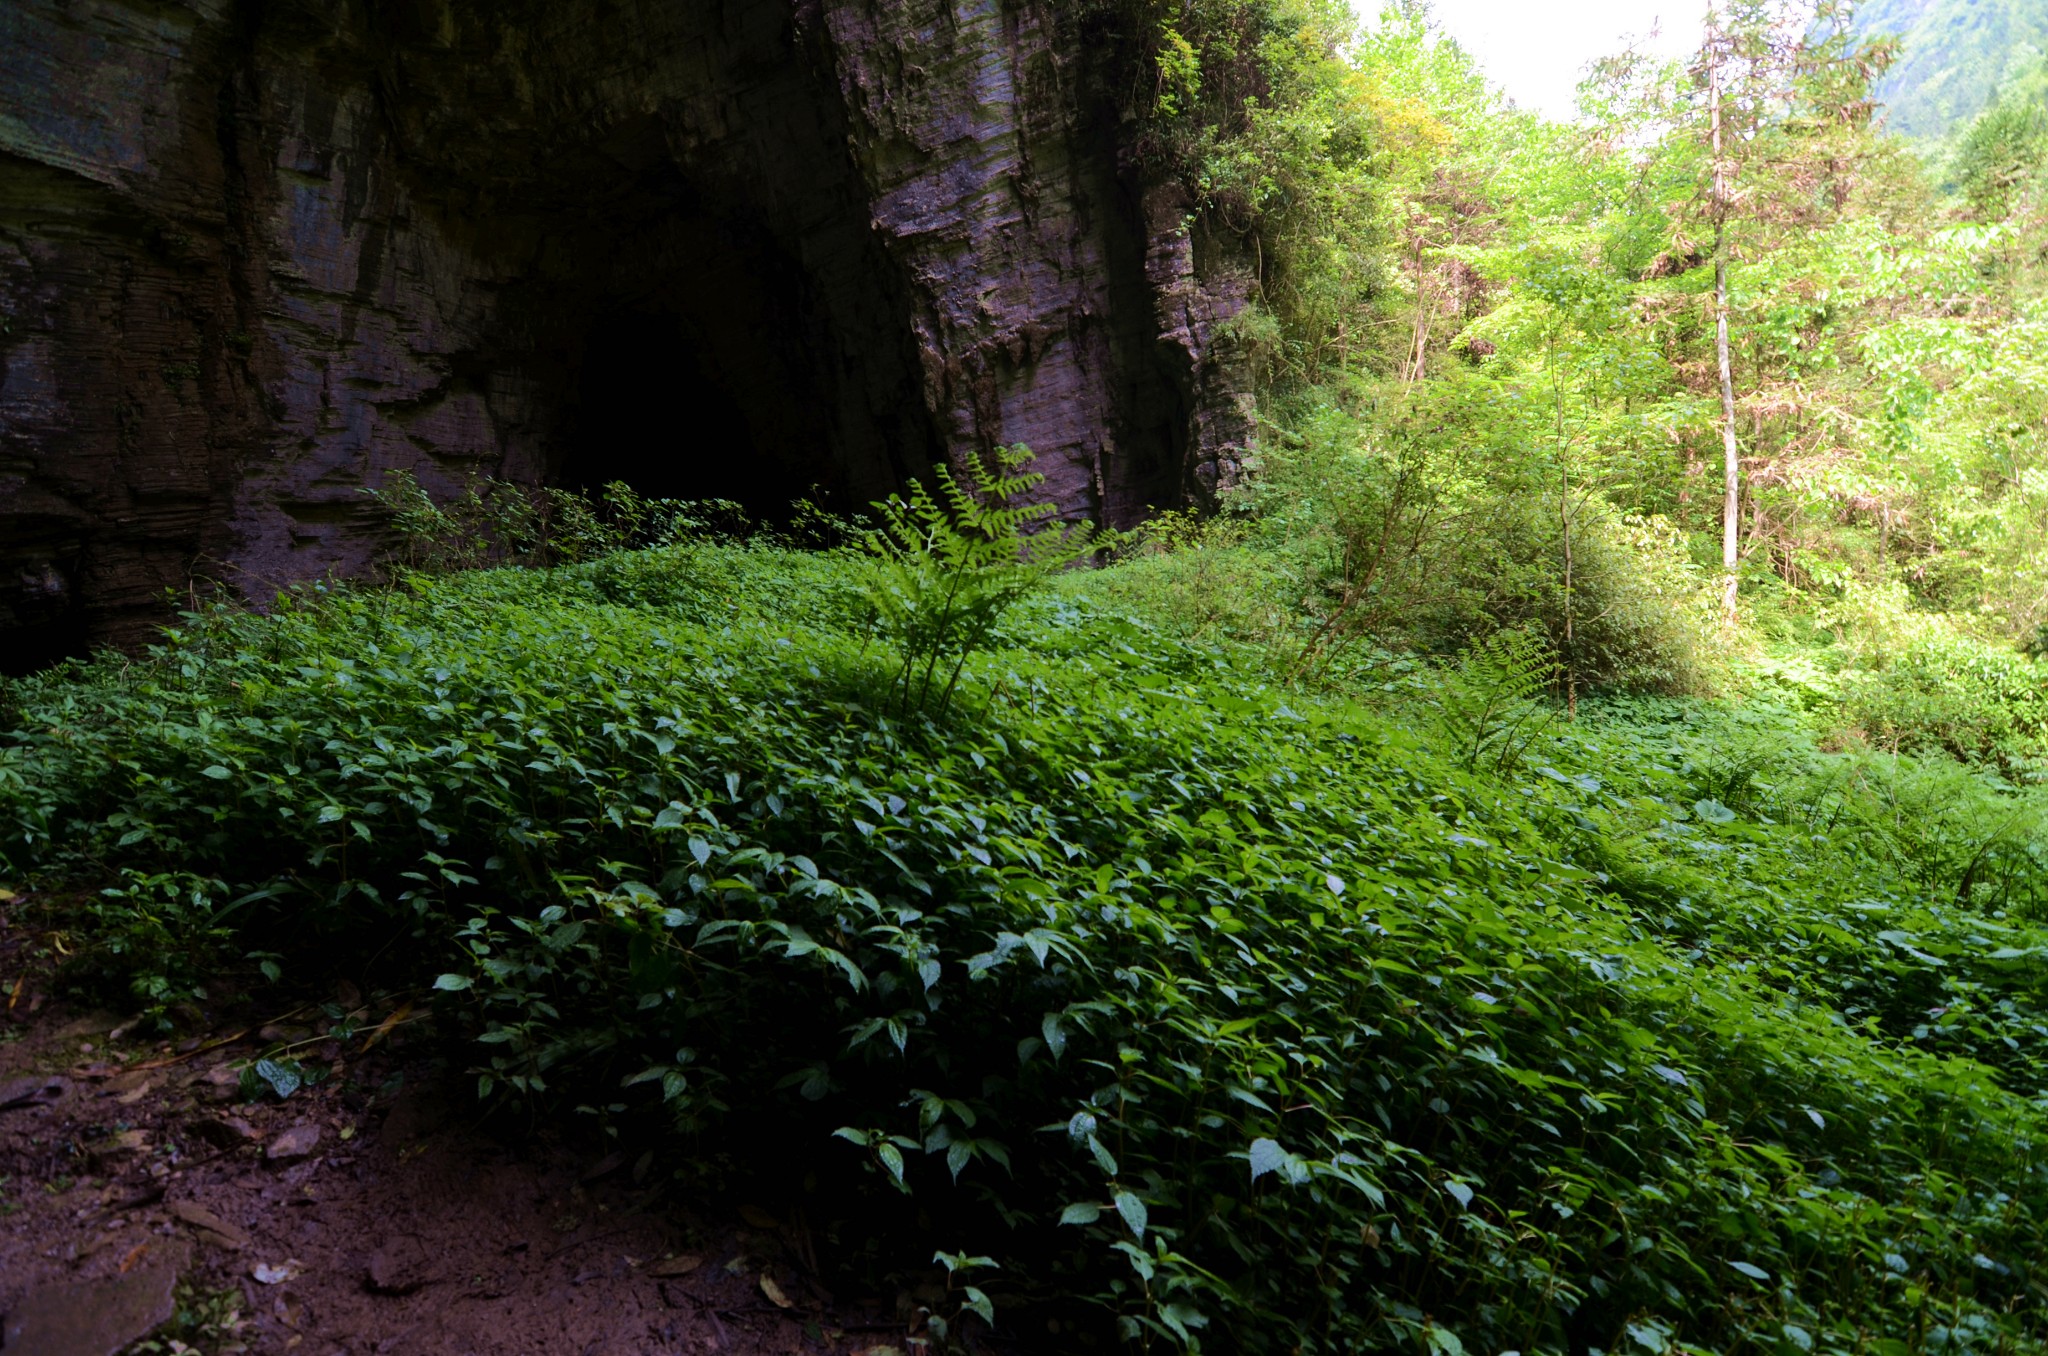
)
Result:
{"points": [[1957, 54]]}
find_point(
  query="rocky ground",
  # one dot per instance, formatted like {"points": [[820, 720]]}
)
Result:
{"points": [[157, 1195]]}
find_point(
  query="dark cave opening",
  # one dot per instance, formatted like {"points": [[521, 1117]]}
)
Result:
{"points": [[708, 372], [648, 413], [35, 647], [41, 620]]}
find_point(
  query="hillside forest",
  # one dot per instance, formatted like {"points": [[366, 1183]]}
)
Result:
{"points": [[1555, 861]]}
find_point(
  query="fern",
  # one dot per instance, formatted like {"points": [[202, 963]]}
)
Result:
{"points": [[947, 566], [1491, 704]]}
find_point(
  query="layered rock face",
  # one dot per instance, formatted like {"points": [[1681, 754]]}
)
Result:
{"points": [[257, 254]]}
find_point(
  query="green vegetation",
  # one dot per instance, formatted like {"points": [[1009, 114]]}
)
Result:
{"points": [[944, 570], [1412, 908], [1958, 54], [1161, 985]]}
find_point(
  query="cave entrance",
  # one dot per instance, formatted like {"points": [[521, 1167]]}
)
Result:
{"points": [[32, 648], [709, 382], [41, 619], [652, 416]]}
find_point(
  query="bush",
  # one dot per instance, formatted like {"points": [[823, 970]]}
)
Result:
{"points": [[1402, 545], [1634, 604], [499, 522], [1934, 689], [1201, 581]]}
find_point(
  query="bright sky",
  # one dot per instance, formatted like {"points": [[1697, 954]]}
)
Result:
{"points": [[1537, 50]]}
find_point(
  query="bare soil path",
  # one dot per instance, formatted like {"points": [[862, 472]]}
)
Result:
{"points": [[143, 1195]]}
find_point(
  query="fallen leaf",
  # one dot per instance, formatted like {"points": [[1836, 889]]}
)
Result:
{"points": [[204, 1220], [675, 1266], [384, 1027], [756, 1216], [774, 1292], [276, 1275]]}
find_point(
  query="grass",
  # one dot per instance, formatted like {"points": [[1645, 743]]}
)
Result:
{"points": [[1208, 1011]]}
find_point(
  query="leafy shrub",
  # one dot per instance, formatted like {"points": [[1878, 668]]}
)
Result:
{"points": [[493, 522], [719, 583], [1955, 831], [1202, 582], [1634, 622], [1935, 689], [1239, 1017]]}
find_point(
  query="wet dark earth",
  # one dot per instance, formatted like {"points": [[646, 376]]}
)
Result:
{"points": [[153, 1201]]}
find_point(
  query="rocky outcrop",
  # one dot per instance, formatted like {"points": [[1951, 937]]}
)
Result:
{"points": [[257, 254]]}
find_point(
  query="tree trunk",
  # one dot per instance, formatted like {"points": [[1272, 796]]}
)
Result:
{"points": [[1730, 460]]}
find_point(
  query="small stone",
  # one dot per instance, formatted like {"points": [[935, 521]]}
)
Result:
{"points": [[398, 1268], [97, 1318], [91, 1024], [296, 1142], [221, 1083], [117, 1149]]}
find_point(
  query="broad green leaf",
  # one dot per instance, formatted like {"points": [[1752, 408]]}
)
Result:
{"points": [[1266, 1156], [1133, 1211]]}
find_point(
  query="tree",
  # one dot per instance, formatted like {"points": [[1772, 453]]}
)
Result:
{"points": [[1785, 122], [1731, 487]]}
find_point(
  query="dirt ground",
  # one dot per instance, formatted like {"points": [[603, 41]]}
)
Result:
{"points": [[142, 1191]]}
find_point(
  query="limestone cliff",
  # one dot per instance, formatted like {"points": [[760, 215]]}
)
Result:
{"points": [[254, 254]]}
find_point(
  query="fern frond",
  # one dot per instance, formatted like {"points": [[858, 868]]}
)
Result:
{"points": [[948, 564], [1490, 704]]}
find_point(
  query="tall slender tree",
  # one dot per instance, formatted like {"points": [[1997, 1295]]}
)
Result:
{"points": [[1784, 124], [1731, 455]]}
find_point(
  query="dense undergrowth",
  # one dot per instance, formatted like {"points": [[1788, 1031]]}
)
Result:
{"points": [[1225, 1011]]}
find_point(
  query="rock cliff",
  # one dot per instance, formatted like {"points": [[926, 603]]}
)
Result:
{"points": [[256, 254]]}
